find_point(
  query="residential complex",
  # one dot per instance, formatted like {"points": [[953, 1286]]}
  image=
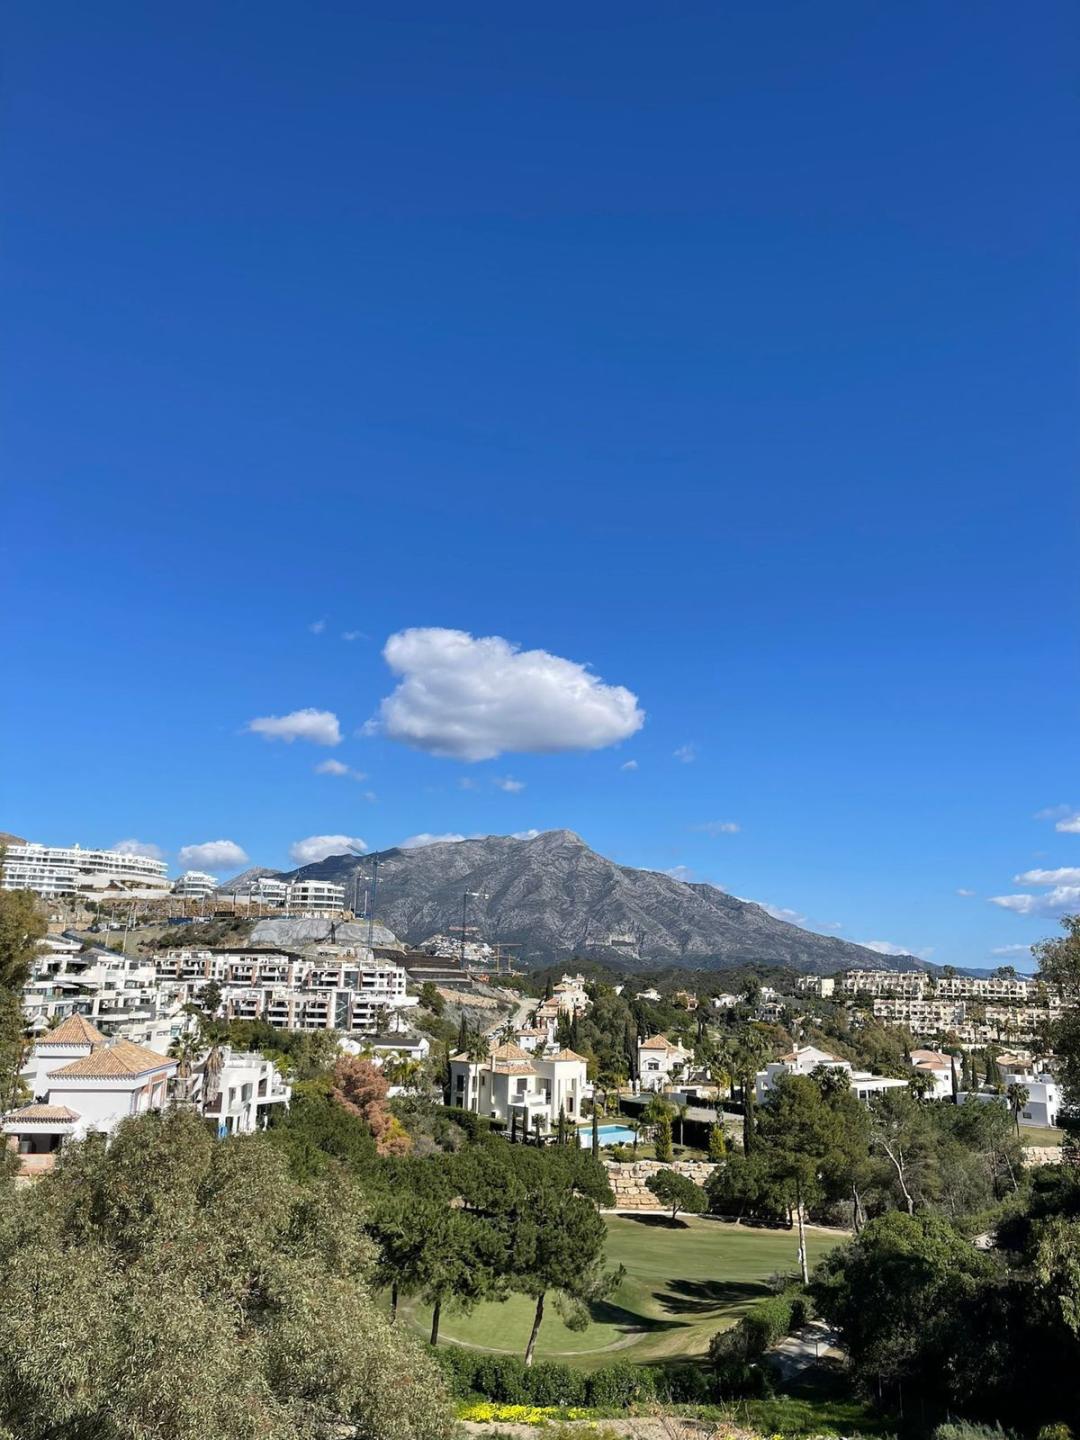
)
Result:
{"points": [[52, 871], [337, 988], [195, 885]]}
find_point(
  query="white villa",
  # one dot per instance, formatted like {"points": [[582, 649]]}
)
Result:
{"points": [[659, 1061], [82, 1085], [239, 1092], [514, 1084], [805, 1059], [936, 1067]]}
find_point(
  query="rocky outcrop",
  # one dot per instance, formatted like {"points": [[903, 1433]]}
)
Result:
{"points": [[628, 1181]]}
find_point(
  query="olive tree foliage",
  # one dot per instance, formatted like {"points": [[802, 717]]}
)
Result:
{"points": [[22, 925], [175, 1287]]}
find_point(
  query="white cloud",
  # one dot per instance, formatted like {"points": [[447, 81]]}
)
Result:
{"points": [[336, 767], [139, 847], [680, 872], [967, 894], [476, 698], [418, 842], [1066, 875], [1067, 818], [509, 784], [629, 765], [1011, 950], [883, 947], [467, 783], [213, 855], [524, 834], [351, 635], [717, 827], [686, 754], [781, 912], [1059, 901], [331, 767], [321, 847], [320, 727], [317, 627]]}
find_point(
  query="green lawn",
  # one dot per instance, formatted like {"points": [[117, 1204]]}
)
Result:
{"points": [[682, 1285], [1040, 1135]]}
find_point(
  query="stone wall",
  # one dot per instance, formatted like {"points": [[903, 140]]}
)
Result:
{"points": [[628, 1181]]}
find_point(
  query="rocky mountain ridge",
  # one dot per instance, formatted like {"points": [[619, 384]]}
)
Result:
{"points": [[553, 898]]}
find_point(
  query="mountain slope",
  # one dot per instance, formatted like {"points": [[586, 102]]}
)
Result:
{"points": [[554, 897]]}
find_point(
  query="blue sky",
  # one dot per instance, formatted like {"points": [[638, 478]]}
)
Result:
{"points": [[728, 351]]}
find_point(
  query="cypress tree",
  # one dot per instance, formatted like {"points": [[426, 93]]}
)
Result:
{"points": [[462, 1034]]}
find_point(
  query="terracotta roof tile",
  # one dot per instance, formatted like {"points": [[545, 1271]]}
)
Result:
{"points": [[121, 1058], [566, 1055], [75, 1030], [42, 1112]]}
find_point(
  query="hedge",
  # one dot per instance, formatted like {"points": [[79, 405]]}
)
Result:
{"points": [[506, 1380]]}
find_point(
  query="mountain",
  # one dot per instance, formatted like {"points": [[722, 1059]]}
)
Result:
{"points": [[553, 897]]}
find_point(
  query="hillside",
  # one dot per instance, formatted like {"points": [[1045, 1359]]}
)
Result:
{"points": [[554, 897]]}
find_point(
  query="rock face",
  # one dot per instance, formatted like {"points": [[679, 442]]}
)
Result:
{"points": [[628, 1181], [555, 898], [294, 934]]}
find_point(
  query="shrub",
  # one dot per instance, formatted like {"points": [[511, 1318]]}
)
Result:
{"points": [[969, 1430], [618, 1385], [552, 1384], [1055, 1432], [501, 1377]]}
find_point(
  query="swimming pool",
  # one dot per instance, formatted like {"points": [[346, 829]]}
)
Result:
{"points": [[609, 1135]]}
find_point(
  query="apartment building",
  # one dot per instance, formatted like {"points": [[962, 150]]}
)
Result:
{"points": [[118, 993], [53, 871], [336, 988], [195, 885], [315, 897], [919, 985]]}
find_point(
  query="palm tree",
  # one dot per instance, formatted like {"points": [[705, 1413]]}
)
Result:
{"points": [[183, 1049], [1018, 1096], [212, 1068]]}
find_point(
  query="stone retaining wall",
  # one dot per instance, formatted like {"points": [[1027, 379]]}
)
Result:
{"points": [[628, 1181]]}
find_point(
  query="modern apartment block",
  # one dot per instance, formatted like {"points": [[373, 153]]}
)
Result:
{"points": [[337, 989], [118, 993], [54, 871], [195, 885]]}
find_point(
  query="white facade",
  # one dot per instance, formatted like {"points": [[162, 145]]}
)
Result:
{"points": [[805, 1059], [119, 993], [515, 1086], [316, 897], [55, 870], [659, 1061], [92, 1092], [239, 1096], [195, 885]]}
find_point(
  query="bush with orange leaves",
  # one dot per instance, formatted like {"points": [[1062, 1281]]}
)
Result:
{"points": [[360, 1087]]}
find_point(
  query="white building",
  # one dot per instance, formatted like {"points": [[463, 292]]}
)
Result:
{"points": [[937, 1068], [90, 1093], [659, 1061], [823, 986], [195, 885], [805, 1059], [513, 1085], [119, 993], [1044, 1094], [54, 870], [315, 897], [239, 1092]]}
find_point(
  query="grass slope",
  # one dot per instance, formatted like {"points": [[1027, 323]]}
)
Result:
{"points": [[682, 1285]]}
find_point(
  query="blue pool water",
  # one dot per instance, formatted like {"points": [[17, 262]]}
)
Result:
{"points": [[609, 1135]]}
